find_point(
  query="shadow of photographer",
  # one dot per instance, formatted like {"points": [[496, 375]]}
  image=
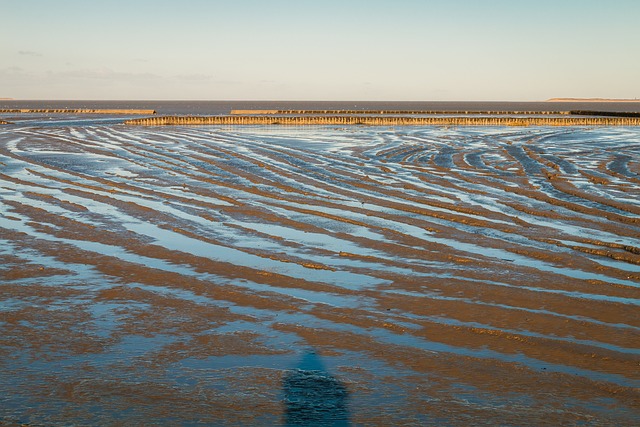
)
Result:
{"points": [[313, 397]]}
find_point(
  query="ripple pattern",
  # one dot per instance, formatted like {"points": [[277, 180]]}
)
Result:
{"points": [[443, 275]]}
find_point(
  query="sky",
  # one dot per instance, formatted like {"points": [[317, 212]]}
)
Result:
{"points": [[394, 50]]}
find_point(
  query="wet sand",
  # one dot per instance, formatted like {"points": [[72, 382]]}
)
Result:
{"points": [[381, 275]]}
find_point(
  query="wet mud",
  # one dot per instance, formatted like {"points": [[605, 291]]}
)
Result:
{"points": [[320, 274]]}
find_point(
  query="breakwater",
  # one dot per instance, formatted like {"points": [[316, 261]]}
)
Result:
{"points": [[384, 121], [77, 111], [397, 112], [604, 113]]}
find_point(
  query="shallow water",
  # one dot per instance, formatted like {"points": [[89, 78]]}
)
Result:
{"points": [[184, 275]]}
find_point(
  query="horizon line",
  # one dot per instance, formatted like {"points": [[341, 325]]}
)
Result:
{"points": [[554, 99]]}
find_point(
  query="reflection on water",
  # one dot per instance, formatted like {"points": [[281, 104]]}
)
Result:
{"points": [[313, 397]]}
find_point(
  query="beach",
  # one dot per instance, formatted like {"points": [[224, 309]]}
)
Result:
{"points": [[368, 275]]}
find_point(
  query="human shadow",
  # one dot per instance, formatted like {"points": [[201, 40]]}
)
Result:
{"points": [[313, 397]]}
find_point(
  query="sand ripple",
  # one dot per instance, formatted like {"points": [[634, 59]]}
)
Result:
{"points": [[469, 273]]}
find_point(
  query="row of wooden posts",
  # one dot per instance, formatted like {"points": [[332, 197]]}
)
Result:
{"points": [[376, 118], [76, 111], [396, 112], [385, 121]]}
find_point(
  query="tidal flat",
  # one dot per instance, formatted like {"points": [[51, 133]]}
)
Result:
{"points": [[264, 275]]}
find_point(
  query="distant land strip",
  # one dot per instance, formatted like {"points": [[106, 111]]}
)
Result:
{"points": [[394, 112], [591, 100], [384, 121], [77, 111]]}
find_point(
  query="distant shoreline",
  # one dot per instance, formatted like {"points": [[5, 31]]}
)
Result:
{"points": [[590, 100]]}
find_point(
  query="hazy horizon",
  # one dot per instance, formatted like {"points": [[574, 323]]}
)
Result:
{"points": [[303, 100], [557, 99], [336, 51]]}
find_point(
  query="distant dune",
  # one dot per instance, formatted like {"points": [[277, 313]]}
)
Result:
{"points": [[6, 99], [590, 100]]}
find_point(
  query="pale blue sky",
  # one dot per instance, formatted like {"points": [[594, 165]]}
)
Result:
{"points": [[319, 50]]}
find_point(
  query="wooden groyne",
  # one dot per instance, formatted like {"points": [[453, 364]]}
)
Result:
{"points": [[395, 112], [384, 121], [604, 113], [77, 111], [250, 112]]}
